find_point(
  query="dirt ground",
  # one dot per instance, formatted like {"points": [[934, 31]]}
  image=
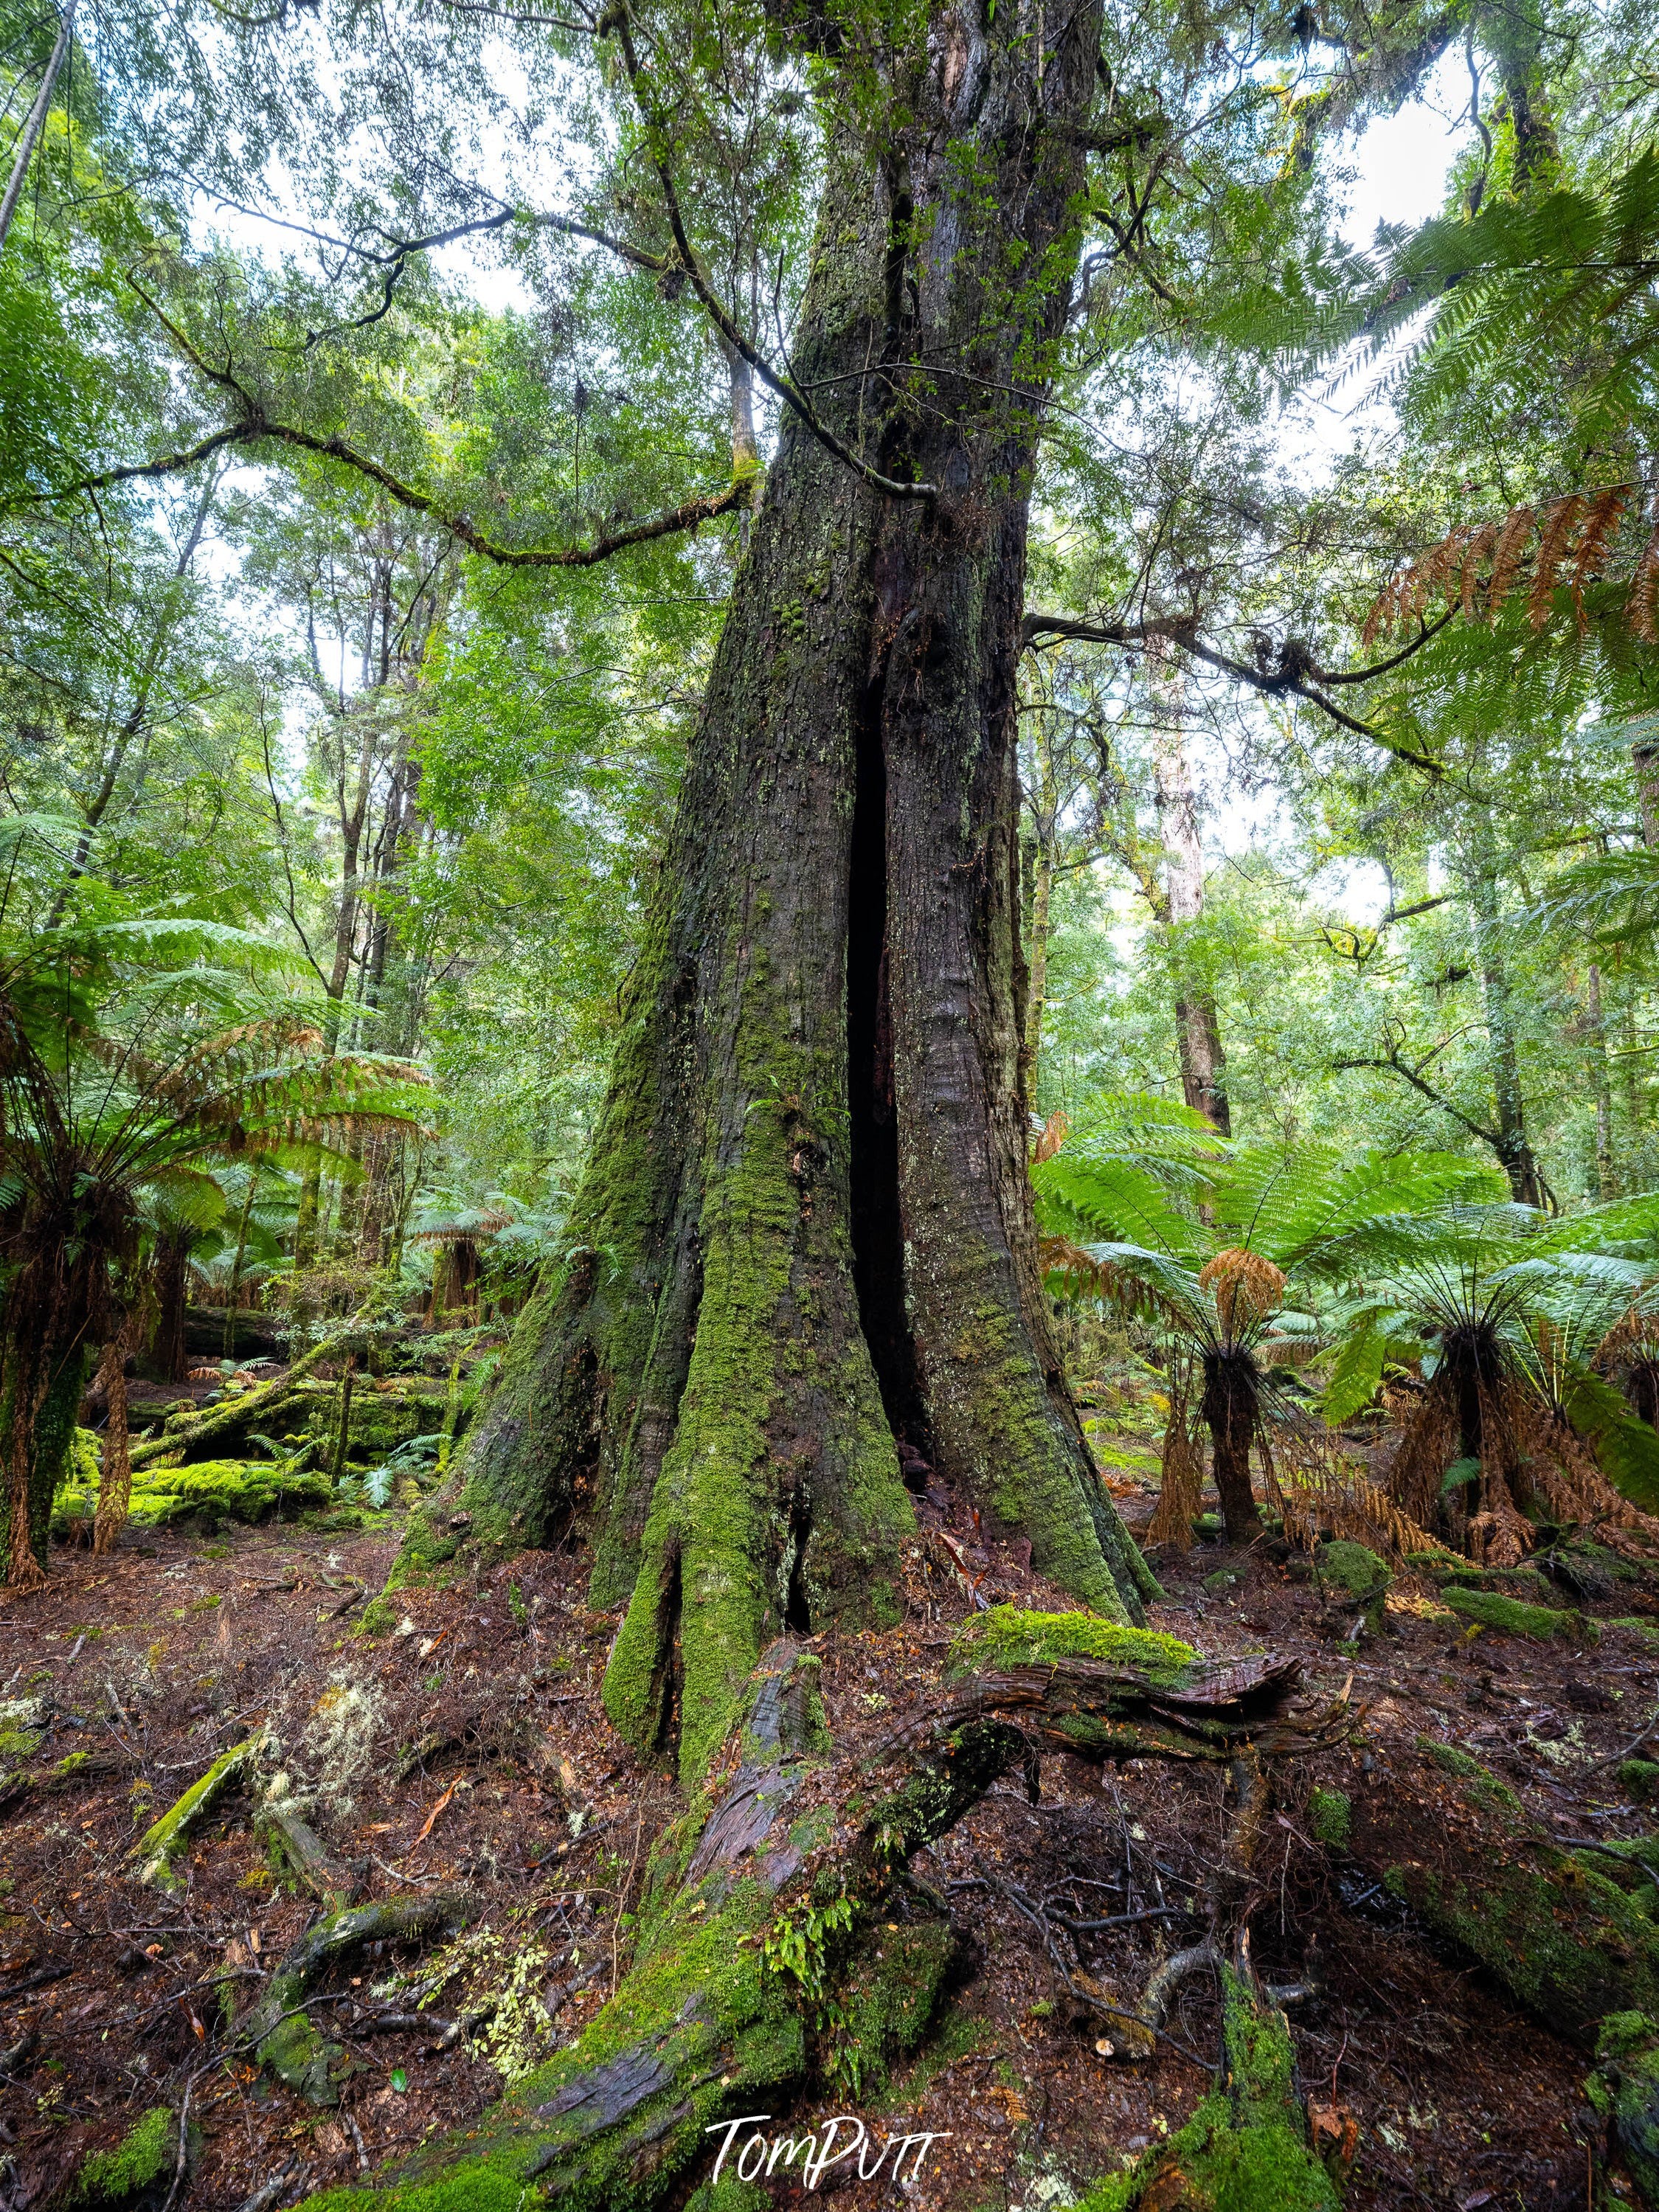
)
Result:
{"points": [[467, 1749]]}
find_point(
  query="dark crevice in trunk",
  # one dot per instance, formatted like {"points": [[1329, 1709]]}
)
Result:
{"points": [[668, 1676], [876, 1227], [797, 1612]]}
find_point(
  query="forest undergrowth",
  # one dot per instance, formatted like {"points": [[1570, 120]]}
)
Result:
{"points": [[462, 1755]]}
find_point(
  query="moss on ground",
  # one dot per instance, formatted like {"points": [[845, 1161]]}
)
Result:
{"points": [[1005, 1637], [1625, 2090], [1246, 2148], [144, 2153], [221, 1489], [1488, 1609], [1330, 1816]]}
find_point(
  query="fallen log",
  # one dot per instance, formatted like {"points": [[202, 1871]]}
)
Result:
{"points": [[162, 1845]]}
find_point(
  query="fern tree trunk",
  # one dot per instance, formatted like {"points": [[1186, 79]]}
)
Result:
{"points": [[805, 1234]]}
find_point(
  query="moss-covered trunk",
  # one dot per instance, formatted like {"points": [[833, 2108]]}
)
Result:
{"points": [[804, 1239]]}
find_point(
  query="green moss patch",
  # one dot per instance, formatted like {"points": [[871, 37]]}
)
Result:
{"points": [[143, 2155], [1510, 1617], [1007, 1637], [1330, 1816], [249, 1490]]}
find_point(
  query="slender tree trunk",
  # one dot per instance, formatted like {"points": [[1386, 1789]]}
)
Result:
{"points": [[805, 1228], [1197, 1028], [1514, 1149], [1039, 875], [171, 1266], [34, 122], [1606, 1182]]}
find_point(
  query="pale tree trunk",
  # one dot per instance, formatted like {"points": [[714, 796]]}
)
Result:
{"points": [[1606, 1183], [34, 123], [1044, 803], [166, 621], [805, 1238], [1197, 1028]]}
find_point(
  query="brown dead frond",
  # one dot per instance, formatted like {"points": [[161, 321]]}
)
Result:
{"points": [[1247, 1287], [1316, 1495], [1589, 554], [1430, 1440], [1181, 1483], [1514, 530], [1560, 519], [1053, 1135], [1563, 1473]]}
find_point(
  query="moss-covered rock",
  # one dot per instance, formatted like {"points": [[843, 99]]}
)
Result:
{"points": [[1625, 2090], [1352, 1568], [1004, 1637], [1247, 2147], [145, 2156], [1510, 1617], [1640, 1777]]}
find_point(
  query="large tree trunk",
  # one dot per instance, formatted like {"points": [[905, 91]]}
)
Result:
{"points": [[805, 1228]]}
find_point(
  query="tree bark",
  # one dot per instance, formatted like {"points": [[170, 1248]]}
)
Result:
{"points": [[1513, 1147], [805, 1229]]}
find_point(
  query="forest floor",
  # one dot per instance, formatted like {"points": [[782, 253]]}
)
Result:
{"points": [[466, 1747]]}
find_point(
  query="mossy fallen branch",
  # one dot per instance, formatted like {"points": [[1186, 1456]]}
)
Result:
{"points": [[161, 1846], [1571, 1930], [1490, 1609]]}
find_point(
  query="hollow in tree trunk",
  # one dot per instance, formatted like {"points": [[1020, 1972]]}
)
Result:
{"points": [[805, 1238]]}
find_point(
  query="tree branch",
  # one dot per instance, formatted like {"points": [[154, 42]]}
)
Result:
{"points": [[615, 19], [1290, 678]]}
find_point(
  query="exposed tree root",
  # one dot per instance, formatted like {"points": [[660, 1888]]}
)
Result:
{"points": [[781, 1934], [277, 2027]]}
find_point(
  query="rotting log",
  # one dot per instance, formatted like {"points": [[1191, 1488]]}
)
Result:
{"points": [[219, 1420], [1571, 1928], [780, 1938]]}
